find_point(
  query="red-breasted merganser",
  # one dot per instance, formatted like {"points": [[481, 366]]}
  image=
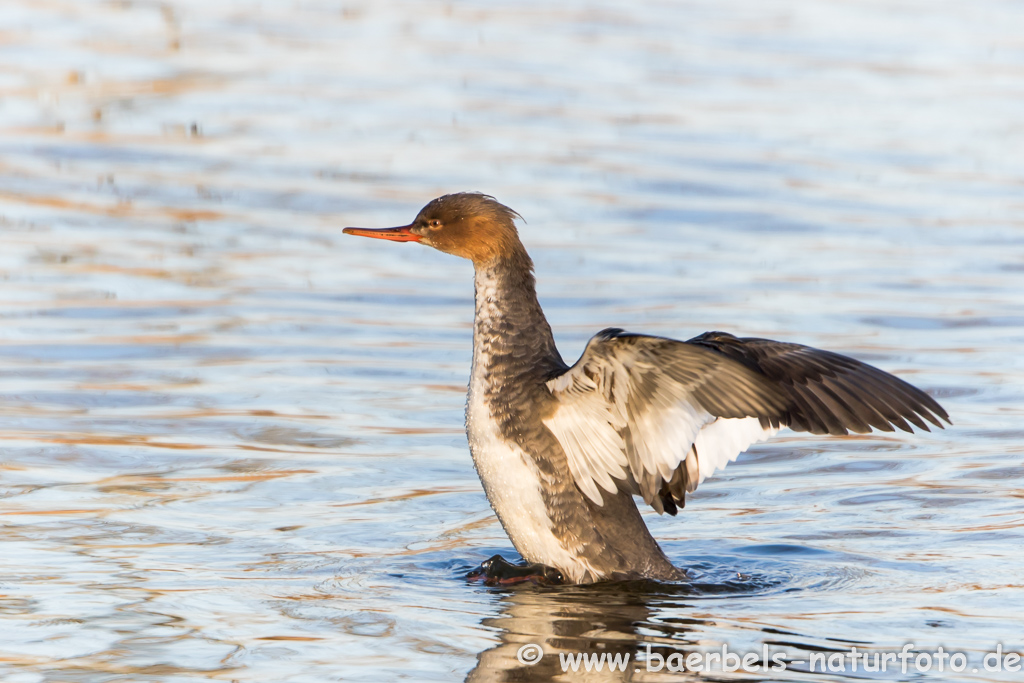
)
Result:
{"points": [[561, 450]]}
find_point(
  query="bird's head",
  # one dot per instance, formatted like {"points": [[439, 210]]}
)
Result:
{"points": [[467, 224]]}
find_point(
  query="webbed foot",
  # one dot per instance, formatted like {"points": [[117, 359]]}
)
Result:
{"points": [[497, 571]]}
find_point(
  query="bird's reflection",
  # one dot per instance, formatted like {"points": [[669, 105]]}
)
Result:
{"points": [[541, 628], [568, 621]]}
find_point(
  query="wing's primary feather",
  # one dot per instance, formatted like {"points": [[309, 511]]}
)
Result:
{"points": [[830, 393]]}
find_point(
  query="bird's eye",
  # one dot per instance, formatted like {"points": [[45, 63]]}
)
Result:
{"points": [[434, 224]]}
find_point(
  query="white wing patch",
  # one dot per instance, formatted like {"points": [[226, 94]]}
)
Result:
{"points": [[720, 443], [589, 432], [633, 409], [593, 448], [592, 433], [662, 438], [596, 451]]}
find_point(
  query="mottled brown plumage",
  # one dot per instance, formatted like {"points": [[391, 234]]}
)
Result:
{"points": [[562, 450]]}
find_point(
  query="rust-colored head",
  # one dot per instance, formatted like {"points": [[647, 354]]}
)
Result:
{"points": [[467, 224]]}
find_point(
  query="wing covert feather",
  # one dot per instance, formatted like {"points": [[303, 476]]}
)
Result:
{"points": [[631, 408]]}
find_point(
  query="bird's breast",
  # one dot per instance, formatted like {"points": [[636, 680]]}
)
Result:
{"points": [[512, 480]]}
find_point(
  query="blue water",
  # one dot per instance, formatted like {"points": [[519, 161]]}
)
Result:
{"points": [[232, 442]]}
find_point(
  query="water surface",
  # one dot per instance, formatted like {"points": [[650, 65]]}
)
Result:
{"points": [[232, 443]]}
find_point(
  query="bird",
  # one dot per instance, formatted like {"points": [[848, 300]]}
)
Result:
{"points": [[563, 452]]}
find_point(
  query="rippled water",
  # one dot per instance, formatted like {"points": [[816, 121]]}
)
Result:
{"points": [[231, 437]]}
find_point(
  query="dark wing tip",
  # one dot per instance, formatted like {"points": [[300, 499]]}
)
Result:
{"points": [[609, 333], [669, 504], [830, 393]]}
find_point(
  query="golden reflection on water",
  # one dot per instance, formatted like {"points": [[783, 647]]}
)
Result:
{"points": [[232, 442]]}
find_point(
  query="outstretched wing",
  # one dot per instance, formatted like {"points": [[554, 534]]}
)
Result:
{"points": [[656, 416], [829, 393], [629, 411]]}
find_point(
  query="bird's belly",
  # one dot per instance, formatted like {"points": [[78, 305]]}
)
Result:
{"points": [[513, 484]]}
